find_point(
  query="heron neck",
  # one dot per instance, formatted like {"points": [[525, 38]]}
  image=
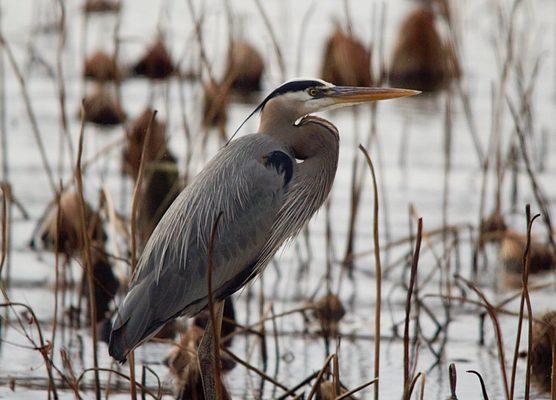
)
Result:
{"points": [[314, 142], [277, 118]]}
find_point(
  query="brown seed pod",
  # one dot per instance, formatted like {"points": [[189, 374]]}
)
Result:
{"points": [[135, 137], [156, 63], [346, 61], [69, 237], [329, 310], [101, 67], [215, 105], [512, 249], [101, 6], [421, 60], [544, 340], [102, 108], [326, 391], [105, 282], [493, 228], [159, 189], [244, 69]]}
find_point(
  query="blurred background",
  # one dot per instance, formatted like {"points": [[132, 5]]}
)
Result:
{"points": [[466, 155]]}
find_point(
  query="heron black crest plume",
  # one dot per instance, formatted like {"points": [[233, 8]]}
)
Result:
{"points": [[259, 107]]}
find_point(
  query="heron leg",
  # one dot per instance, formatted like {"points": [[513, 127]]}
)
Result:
{"points": [[209, 356]]}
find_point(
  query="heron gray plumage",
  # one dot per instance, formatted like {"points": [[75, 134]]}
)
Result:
{"points": [[266, 185]]}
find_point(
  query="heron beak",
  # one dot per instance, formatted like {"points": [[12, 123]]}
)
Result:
{"points": [[355, 95]]}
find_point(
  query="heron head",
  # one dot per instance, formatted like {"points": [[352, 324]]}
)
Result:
{"points": [[300, 97], [297, 98]]}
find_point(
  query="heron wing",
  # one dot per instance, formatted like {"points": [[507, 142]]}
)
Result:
{"points": [[246, 183]]}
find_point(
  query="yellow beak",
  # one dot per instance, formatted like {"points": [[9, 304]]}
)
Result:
{"points": [[354, 95]]}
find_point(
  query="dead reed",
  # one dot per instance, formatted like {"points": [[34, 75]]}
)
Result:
{"points": [[421, 60], [346, 61], [101, 67], [156, 63], [101, 107]]}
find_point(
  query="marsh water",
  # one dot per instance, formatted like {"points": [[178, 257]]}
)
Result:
{"points": [[408, 151]]}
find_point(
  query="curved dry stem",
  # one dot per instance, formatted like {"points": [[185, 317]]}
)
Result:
{"points": [[378, 278]]}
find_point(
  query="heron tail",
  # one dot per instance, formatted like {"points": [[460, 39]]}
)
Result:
{"points": [[132, 325]]}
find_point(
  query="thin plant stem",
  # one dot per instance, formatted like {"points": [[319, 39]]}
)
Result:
{"points": [[378, 273], [87, 253], [407, 380]]}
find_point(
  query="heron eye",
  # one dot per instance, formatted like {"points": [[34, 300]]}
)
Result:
{"points": [[313, 92]]}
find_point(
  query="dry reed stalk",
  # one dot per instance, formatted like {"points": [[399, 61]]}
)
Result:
{"points": [[185, 126], [412, 277], [301, 38], [498, 332], [5, 165], [463, 299], [378, 273], [499, 100], [250, 328], [135, 198], [426, 235], [263, 375], [276, 349], [471, 124], [355, 196], [108, 204], [477, 248], [87, 254], [553, 375], [356, 389], [5, 283], [537, 190], [482, 383], [60, 81], [133, 228], [494, 147], [120, 374], [453, 381], [43, 347], [319, 377], [525, 289], [5, 200], [30, 113], [336, 369], [273, 38], [422, 390], [115, 69], [56, 266], [291, 392], [197, 22], [158, 383], [3, 136]]}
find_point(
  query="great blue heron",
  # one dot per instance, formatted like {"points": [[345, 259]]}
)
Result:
{"points": [[266, 186]]}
